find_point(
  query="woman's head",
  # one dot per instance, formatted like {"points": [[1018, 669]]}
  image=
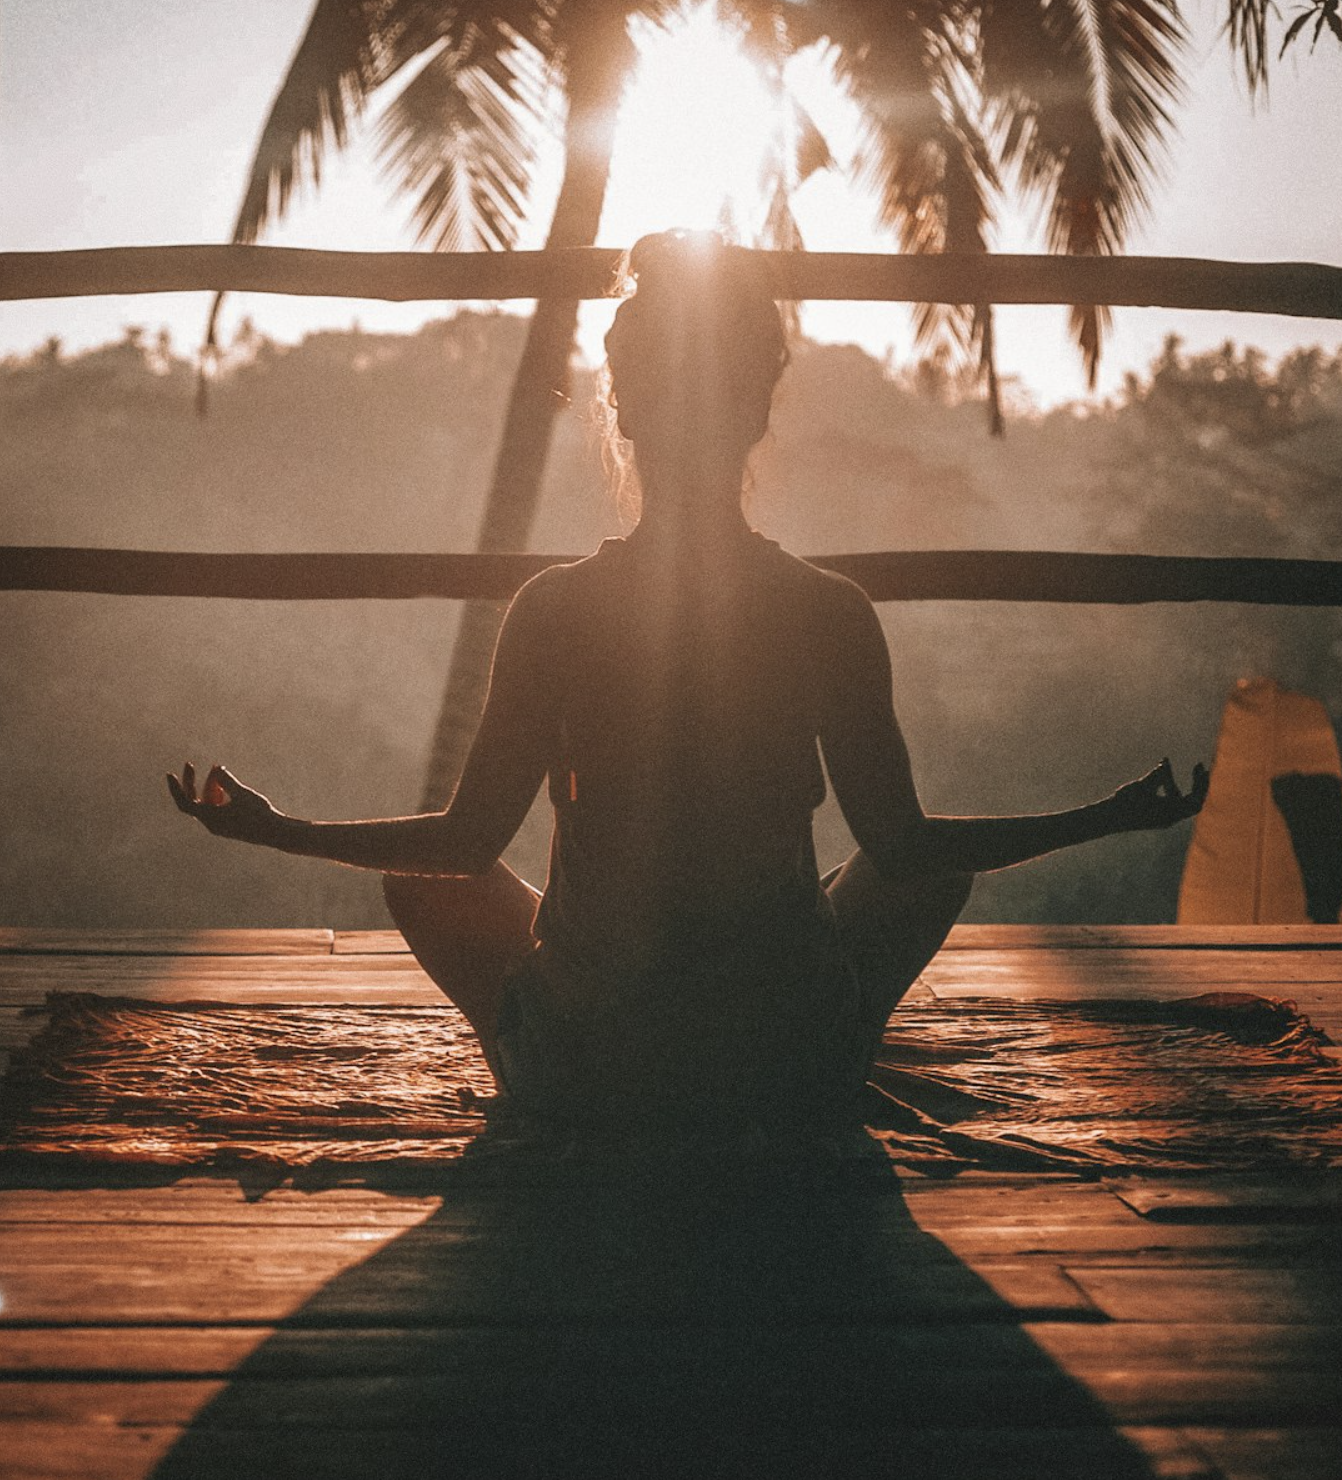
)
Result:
{"points": [[695, 353]]}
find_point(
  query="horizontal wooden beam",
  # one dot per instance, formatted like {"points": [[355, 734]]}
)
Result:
{"points": [[916, 575], [1301, 289], [267, 577]]}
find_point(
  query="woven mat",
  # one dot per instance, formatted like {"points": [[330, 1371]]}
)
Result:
{"points": [[1214, 1083]]}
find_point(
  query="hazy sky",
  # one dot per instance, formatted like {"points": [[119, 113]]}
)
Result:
{"points": [[132, 121]]}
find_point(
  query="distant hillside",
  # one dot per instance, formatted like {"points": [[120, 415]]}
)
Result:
{"points": [[355, 441]]}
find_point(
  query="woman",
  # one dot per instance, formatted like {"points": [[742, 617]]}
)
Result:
{"points": [[678, 688]]}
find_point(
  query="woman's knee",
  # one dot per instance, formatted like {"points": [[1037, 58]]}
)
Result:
{"points": [[467, 934], [413, 894], [932, 905], [859, 878], [495, 903], [954, 888], [892, 927]]}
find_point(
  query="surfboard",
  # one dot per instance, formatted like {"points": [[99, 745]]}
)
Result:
{"points": [[1267, 846]]}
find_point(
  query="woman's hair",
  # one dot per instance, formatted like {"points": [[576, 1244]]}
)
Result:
{"points": [[699, 346]]}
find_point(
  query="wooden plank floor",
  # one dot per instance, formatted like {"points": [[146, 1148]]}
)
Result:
{"points": [[990, 1326]]}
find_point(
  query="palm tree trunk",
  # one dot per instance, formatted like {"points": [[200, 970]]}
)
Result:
{"points": [[599, 60]]}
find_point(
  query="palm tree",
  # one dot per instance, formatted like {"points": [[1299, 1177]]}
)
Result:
{"points": [[1074, 98], [460, 136]]}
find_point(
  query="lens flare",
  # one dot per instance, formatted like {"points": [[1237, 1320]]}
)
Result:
{"points": [[697, 127]]}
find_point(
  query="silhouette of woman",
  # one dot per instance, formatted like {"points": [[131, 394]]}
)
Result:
{"points": [[678, 689]]}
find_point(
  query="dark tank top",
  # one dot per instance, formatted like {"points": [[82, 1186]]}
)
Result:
{"points": [[686, 951]]}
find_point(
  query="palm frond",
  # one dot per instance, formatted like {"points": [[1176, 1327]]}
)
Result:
{"points": [[923, 150], [781, 232], [795, 26], [780, 176], [1246, 30], [1081, 93], [337, 65], [800, 148], [464, 24], [341, 59], [349, 49], [460, 137], [811, 152], [968, 176], [985, 331], [1322, 13], [761, 26], [883, 53]]}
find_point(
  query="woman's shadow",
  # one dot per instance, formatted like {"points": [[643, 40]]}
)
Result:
{"points": [[655, 1321]]}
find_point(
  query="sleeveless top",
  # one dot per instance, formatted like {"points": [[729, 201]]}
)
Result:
{"points": [[688, 964]]}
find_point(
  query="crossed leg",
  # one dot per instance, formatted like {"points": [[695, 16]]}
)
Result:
{"points": [[467, 933], [890, 931]]}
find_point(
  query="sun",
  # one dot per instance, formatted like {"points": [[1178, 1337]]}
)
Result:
{"points": [[697, 128]]}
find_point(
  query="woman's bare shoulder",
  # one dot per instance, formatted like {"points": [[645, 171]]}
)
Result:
{"points": [[827, 593], [559, 586]]}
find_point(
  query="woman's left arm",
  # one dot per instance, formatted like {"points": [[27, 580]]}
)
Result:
{"points": [[502, 774], [869, 768], [984, 844]]}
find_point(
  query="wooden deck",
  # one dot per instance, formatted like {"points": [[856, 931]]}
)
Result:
{"points": [[989, 1326]]}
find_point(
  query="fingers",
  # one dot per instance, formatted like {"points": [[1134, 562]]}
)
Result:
{"points": [[1164, 801], [217, 791], [1158, 779], [183, 791], [1201, 783], [227, 779], [1190, 802], [1185, 803]]}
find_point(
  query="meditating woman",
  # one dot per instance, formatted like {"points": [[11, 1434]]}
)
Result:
{"points": [[685, 965]]}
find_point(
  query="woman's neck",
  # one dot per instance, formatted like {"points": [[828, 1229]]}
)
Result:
{"points": [[688, 511]]}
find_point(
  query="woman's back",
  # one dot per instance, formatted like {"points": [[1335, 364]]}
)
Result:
{"points": [[684, 705], [689, 962]]}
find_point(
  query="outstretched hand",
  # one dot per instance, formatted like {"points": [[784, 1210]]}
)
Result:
{"points": [[1154, 800], [225, 806]]}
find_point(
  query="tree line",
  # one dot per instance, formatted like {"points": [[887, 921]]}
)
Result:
{"points": [[358, 441]]}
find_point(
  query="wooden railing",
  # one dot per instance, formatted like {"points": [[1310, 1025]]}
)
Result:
{"points": [[1295, 288], [1302, 289], [923, 575]]}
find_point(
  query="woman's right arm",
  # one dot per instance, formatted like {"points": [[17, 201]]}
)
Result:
{"points": [[434, 843], [503, 772], [868, 764]]}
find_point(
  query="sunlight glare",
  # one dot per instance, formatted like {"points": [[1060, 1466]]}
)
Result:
{"points": [[696, 129], [697, 126]]}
